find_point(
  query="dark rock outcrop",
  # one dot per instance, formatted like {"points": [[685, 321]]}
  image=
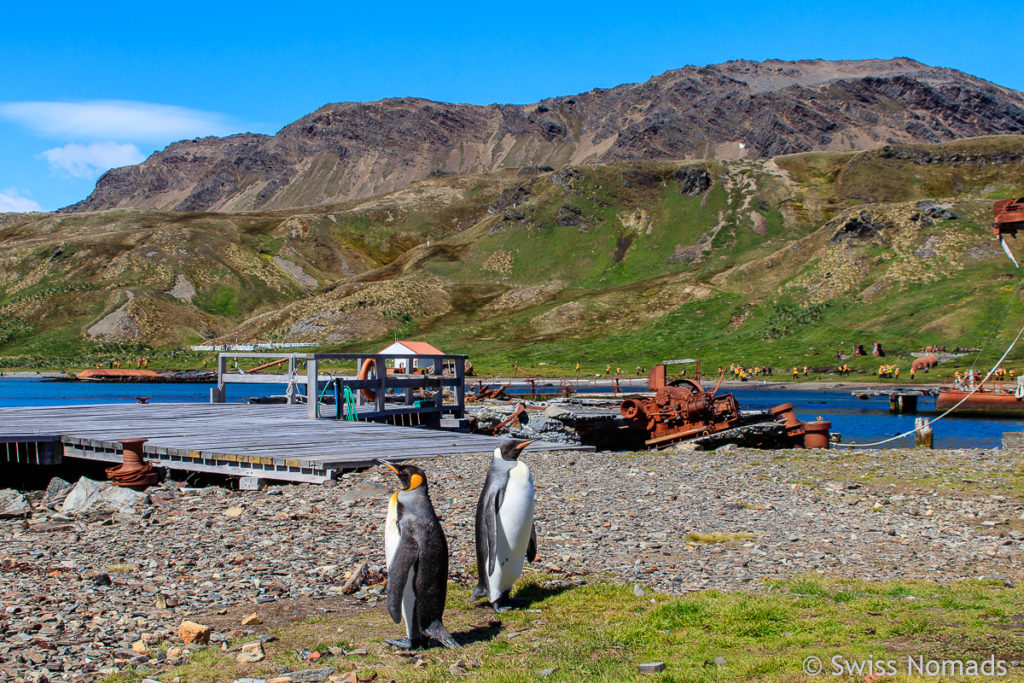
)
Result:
{"points": [[933, 209], [693, 181], [740, 108], [570, 216], [861, 226]]}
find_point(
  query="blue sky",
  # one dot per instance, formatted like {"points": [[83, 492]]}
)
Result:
{"points": [[88, 86]]}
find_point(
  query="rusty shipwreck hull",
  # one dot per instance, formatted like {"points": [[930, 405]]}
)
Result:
{"points": [[982, 402]]}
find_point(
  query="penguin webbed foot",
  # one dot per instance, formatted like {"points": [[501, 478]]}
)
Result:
{"points": [[479, 593], [404, 644], [505, 603], [438, 632]]}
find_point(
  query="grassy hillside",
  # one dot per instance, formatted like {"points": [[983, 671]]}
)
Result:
{"points": [[71, 285], [781, 262]]}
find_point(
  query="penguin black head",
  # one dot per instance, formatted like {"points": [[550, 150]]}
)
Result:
{"points": [[411, 476], [512, 449]]}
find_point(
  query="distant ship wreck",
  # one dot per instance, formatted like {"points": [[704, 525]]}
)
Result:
{"points": [[140, 375]]}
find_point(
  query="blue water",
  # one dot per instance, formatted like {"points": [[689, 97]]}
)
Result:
{"points": [[869, 421], [21, 392], [857, 420]]}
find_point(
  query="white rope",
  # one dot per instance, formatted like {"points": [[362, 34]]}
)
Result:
{"points": [[951, 409]]}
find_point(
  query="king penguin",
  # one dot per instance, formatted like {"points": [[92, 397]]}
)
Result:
{"points": [[505, 534], [417, 561]]}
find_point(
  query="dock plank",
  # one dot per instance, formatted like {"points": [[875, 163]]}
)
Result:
{"points": [[238, 438]]}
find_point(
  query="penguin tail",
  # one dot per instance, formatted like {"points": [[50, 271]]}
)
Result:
{"points": [[438, 632]]}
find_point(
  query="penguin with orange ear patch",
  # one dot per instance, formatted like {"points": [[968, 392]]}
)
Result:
{"points": [[417, 561]]}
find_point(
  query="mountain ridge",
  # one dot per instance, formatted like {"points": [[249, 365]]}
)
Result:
{"points": [[738, 109]]}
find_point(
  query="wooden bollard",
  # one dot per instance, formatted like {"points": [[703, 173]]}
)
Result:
{"points": [[923, 436]]}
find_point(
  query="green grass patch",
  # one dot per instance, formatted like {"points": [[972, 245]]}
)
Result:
{"points": [[603, 631]]}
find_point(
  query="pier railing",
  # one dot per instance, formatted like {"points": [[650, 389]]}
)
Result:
{"points": [[417, 389]]}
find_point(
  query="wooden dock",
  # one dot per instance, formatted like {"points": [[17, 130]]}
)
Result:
{"points": [[901, 399], [263, 441]]}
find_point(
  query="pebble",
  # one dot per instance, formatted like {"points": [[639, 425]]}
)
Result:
{"points": [[651, 667], [79, 593]]}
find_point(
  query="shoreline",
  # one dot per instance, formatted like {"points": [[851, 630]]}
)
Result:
{"points": [[729, 385]]}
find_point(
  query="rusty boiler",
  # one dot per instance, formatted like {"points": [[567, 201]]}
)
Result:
{"points": [[680, 410]]}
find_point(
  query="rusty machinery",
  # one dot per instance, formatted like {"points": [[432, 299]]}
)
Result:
{"points": [[681, 409], [1007, 219], [487, 391]]}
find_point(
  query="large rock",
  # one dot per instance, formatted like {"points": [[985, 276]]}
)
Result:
{"points": [[99, 498], [192, 632], [56, 491], [13, 505]]}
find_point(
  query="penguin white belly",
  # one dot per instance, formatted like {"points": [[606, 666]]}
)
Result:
{"points": [[514, 525], [409, 602], [391, 534]]}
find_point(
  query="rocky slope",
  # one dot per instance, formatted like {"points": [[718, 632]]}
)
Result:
{"points": [[738, 109]]}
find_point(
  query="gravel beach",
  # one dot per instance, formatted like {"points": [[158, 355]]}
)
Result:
{"points": [[77, 593]]}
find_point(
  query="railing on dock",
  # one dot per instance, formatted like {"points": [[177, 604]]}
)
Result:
{"points": [[412, 392]]}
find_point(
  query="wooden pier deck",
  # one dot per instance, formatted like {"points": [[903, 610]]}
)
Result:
{"points": [[264, 441]]}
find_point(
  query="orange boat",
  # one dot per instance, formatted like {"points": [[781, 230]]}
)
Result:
{"points": [[989, 398]]}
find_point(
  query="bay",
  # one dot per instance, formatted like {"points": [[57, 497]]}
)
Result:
{"points": [[858, 421]]}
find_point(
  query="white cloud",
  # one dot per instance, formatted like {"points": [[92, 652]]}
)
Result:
{"points": [[89, 161], [10, 202], [119, 119]]}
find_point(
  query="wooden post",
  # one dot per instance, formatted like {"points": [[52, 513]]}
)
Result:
{"points": [[437, 370], [291, 390], [460, 387], [337, 400], [923, 436], [382, 384], [219, 393], [312, 392], [409, 369]]}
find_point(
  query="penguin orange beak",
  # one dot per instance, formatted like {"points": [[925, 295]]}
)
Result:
{"points": [[388, 465], [524, 444]]}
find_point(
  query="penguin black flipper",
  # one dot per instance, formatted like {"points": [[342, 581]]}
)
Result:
{"points": [[483, 540], [487, 524], [531, 547], [495, 497], [398, 575]]}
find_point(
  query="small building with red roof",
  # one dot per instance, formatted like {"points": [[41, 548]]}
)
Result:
{"points": [[406, 348]]}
